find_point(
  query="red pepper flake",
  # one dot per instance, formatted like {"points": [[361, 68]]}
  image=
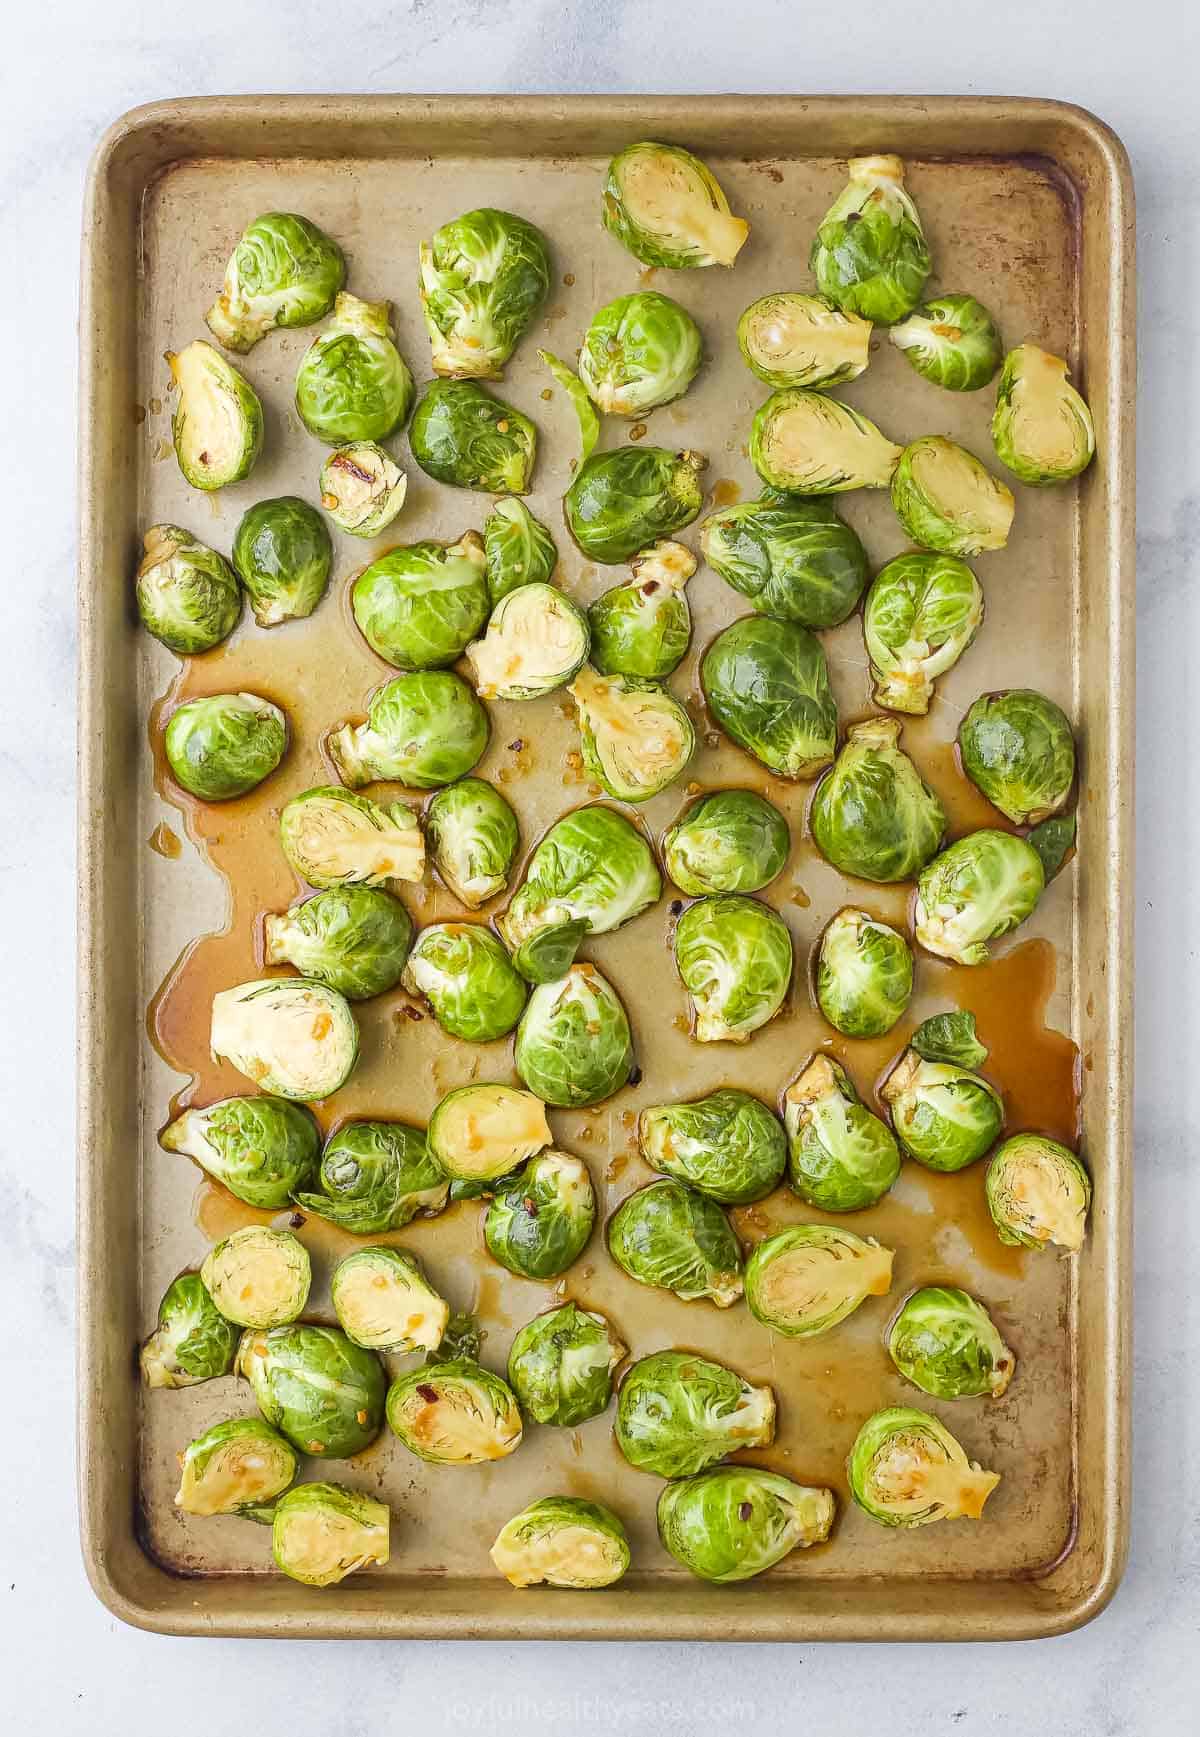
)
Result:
{"points": [[427, 1393], [296, 1220], [516, 746], [745, 1510]]}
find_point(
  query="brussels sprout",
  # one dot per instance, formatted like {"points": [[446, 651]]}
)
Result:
{"points": [[947, 501], [644, 628], [423, 729], [421, 604], [355, 939], [1054, 840], [1017, 747], [455, 1414], [321, 1532], [482, 279], [562, 1541], [258, 1277], [767, 685], [581, 404], [518, 549], [573, 1043], [561, 1365], [376, 1176], [667, 1236], [906, 1469], [468, 979], [284, 271], [636, 738], [333, 838], [353, 383], [804, 1280], [944, 1116], [620, 502], [1037, 1193], [234, 1466], [841, 1158], [318, 1388], [261, 1149], [187, 595], [193, 1341], [550, 953], [735, 1521], [362, 488], [864, 974], [1042, 428], [727, 1145], [807, 443], [950, 1037], [536, 640], [218, 422], [461, 435], [678, 1414], [947, 1345], [735, 958], [283, 553], [869, 254], [539, 1221], [224, 745], [920, 615], [667, 208], [873, 815], [474, 838], [482, 1132], [792, 557], [730, 842], [640, 351], [384, 1302], [292, 1037], [952, 341], [788, 339], [979, 888]]}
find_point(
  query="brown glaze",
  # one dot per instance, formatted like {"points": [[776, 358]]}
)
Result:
{"points": [[165, 841], [725, 493]]}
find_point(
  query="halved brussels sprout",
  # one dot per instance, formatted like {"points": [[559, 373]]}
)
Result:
{"points": [[318, 1388], [384, 1302], [951, 341], [864, 974], [284, 271], [979, 888], [258, 1277], [635, 736], [947, 1345], [789, 339], [947, 501], [734, 1522], [482, 1132], [573, 1043], [283, 552], [841, 1158], [518, 549], [678, 1414], [376, 1176], [792, 557], [261, 1149], [423, 729], [804, 1280], [1017, 747], [622, 501], [353, 383], [921, 614], [807, 443], [950, 1037], [455, 1414], [640, 351], [536, 640], [225, 744], [292, 1037], [321, 1532], [644, 628], [581, 404], [468, 979], [218, 422], [1037, 1193], [727, 1145], [538, 1222], [461, 435], [187, 595], [561, 1363], [234, 1466], [420, 605], [482, 279], [873, 815], [1042, 428], [906, 1469], [869, 253], [1054, 841], [944, 1116], [474, 839], [193, 1341], [735, 958], [562, 1541], [333, 838], [362, 488], [670, 1237], [668, 208], [355, 939], [767, 685], [731, 842]]}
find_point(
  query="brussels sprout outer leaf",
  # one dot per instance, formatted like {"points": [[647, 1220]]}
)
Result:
{"points": [[1054, 841], [581, 404], [950, 1037]]}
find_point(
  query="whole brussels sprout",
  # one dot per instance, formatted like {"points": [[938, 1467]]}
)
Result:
{"points": [[670, 1237], [560, 1365], [355, 939], [951, 341], [1037, 1193], [841, 1158], [678, 1414], [622, 501], [807, 443], [864, 974], [284, 271], [947, 501], [1017, 747], [455, 1414], [734, 1522], [353, 383], [792, 557], [979, 888], [950, 1037], [635, 736], [362, 488], [376, 1176], [481, 1132], [767, 685], [727, 1145], [318, 1388], [1054, 841], [644, 628], [482, 279], [283, 553], [873, 815], [581, 404], [384, 1302], [187, 595], [920, 615], [333, 838], [944, 1116], [667, 208], [468, 979], [217, 427], [1042, 428], [906, 1469], [538, 1222], [518, 549], [731, 842], [320, 1533], [461, 435], [640, 351], [735, 958], [193, 1341], [536, 640], [258, 1277], [225, 744], [947, 1345], [423, 729], [474, 839], [804, 1280], [261, 1149], [790, 339], [869, 253], [234, 1466], [562, 1541], [420, 605], [291, 1037], [573, 1043]]}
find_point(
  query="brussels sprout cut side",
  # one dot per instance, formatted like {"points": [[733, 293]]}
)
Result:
{"points": [[807, 443], [952, 341], [797, 340], [574, 1045], [640, 351], [218, 422], [803, 1281], [482, 1132], [482, 279], [290, 1036], [678, 1414], [869, 254], [873, 815], [727, 1145], [283, 553], [735, 1522], [333, 838], [921, 613], [353, 383], [562, 1541], [732, 842], [735, 958], [284, 271], [1017, 748], [947, 501], [864, 974], [455, 1414], [354, 939], [792, 558], [539, 1221], [319, 1389], [376, 1176], [362, 488], [841, 1157], [1042, 429], [536, 640], [560, 1365], [643, 629], [766, 684], [234, 1466], [622, 501], [262, 1149], [420, 605], [518, 549], [323, 1532], [384, 1302], [473, 838], [423, 729], [979, 888], [636, 738], [461, 435], [187, 595], [258, 1277], [468, 979], [946, 1344], [668, 209], [193, 1341], [1038, 1193], [224, 745], [667, 1236], [906, 1469]]}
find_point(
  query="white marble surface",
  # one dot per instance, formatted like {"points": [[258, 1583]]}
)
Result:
{"points": [[65, 73]]}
